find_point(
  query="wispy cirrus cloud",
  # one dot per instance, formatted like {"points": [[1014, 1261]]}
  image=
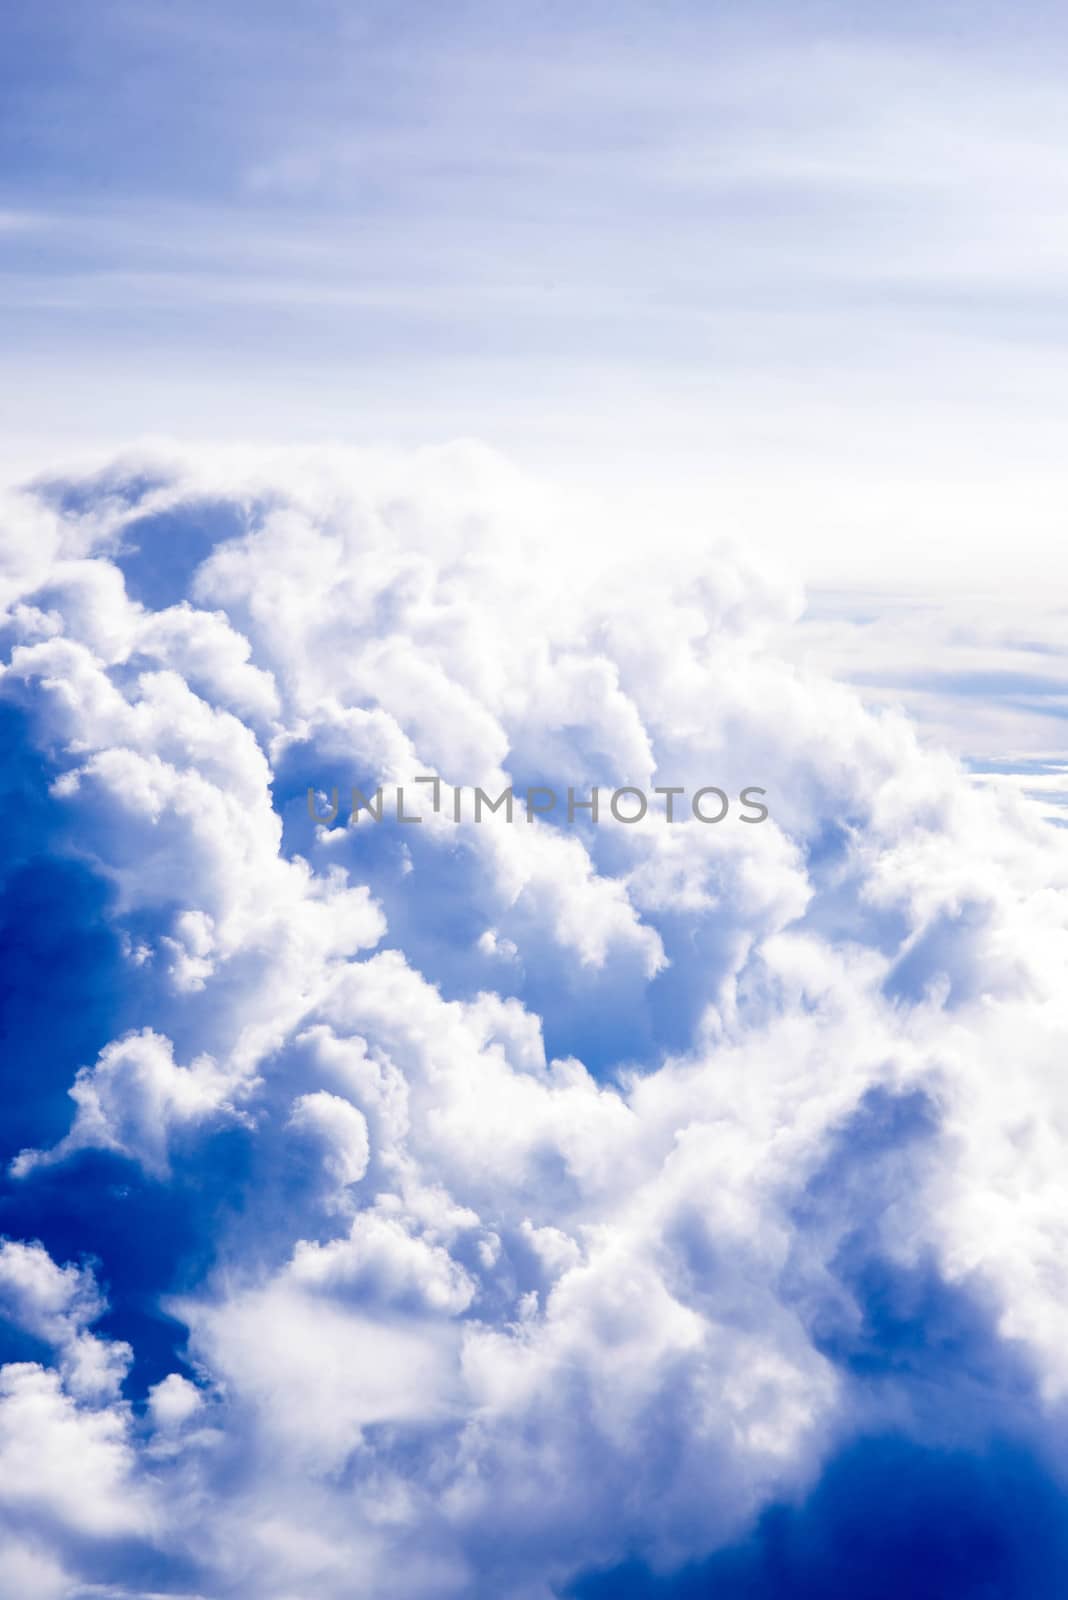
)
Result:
{"points": [[790, 276]]}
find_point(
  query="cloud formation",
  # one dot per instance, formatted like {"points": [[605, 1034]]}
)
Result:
{"points": [[465, 1209]]}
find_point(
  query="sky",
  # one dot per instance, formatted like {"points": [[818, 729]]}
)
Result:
{"points": [[790, 273], [533, 1206]]}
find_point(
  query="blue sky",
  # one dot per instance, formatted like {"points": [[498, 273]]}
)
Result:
{"points": [[793, 273]]}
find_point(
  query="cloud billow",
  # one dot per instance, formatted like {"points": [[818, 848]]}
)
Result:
{"points": [[518, 1209]]}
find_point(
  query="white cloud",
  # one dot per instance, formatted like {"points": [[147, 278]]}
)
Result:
{"points": [[174, 1401], [58, 1305], [338, 1129], [135, 1099], [71, 1465], [537, 1118]]}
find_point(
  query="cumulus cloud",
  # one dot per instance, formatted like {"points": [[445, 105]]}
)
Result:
{"points": [[524, 1188], [132, 1101], [57, 1305]]}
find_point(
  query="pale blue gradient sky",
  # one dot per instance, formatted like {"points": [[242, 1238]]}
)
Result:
{"points": [[792, 273]]}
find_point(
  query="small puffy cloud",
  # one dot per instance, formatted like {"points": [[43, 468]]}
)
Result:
{"points": [[134, 1100], [51, 1302], [67, 1465], [338, 1129], [382, 1263], [57, 1305], [174, 1401]]}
